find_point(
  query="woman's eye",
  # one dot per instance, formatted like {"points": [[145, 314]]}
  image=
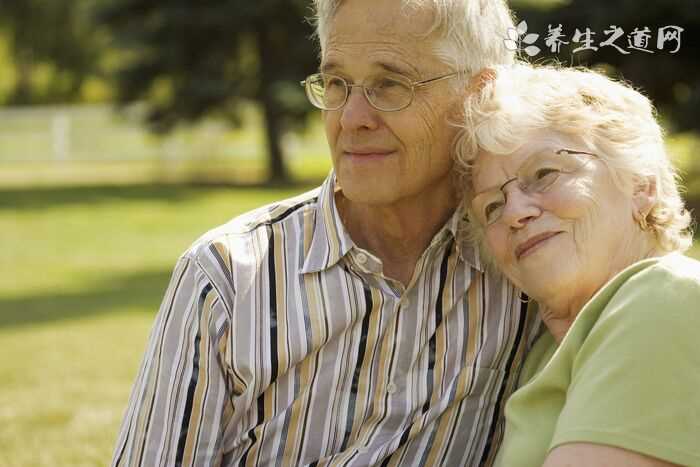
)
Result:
{"points": [[542, 173], [492, 210]]}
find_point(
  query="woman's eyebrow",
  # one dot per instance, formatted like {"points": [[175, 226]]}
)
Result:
{"points": [[491, 189]]}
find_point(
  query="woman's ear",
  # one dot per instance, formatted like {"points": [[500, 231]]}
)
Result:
{"points": [[478, 81], [644, 196]]}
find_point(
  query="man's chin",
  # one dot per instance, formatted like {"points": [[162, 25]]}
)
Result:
{"points": [[368, 188], [368, 194]]}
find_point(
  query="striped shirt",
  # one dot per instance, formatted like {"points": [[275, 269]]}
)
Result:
{"points": [[280, 343]]}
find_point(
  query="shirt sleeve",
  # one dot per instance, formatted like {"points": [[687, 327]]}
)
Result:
{"points": [[635, 379], [180, 402]]}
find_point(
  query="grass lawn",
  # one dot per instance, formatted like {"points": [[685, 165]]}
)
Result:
{"points": [[82, 272]]}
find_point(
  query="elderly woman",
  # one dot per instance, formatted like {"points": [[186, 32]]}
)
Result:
{"points": [[572, 196]]}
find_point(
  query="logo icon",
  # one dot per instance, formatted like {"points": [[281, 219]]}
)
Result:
{"points": [[518, 36]]}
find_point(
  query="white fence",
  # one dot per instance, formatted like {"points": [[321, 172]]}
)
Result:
{"points": [[98, 133]]}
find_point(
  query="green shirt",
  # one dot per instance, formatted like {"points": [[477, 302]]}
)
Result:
{"points": [[626, 374]]}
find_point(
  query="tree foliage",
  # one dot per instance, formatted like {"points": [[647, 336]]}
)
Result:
{"points": [[58, 33], [190, 59], [671, 80]]}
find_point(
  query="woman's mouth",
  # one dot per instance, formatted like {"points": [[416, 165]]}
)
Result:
{"points": [[533, 243]]}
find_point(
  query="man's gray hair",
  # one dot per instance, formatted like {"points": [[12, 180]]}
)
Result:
{"points": [[470, 32]]}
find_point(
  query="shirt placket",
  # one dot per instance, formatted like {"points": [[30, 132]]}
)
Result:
{"points": [[405, 318]]}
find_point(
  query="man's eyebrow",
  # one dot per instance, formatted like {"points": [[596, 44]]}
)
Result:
{"points": [[329, 67], [393, 68], [332, 66]]}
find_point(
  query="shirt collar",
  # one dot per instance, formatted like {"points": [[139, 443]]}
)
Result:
{"points": [[331, 240], [455, 227]]}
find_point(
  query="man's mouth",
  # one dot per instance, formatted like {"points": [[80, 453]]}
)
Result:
{"points": [[367, 153]]}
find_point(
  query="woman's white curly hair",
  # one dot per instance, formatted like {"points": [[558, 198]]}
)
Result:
{"points": [[614, 120]]}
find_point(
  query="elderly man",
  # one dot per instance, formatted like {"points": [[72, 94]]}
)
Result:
{"points": [[350, 325]]}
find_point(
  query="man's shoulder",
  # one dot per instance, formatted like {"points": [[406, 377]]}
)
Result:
{"points": [[232, 240]]}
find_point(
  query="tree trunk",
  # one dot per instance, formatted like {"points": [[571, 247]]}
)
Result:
{"points": [[22, 94], [277, 171]]}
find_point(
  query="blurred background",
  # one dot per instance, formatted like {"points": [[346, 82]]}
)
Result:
{"points": [[130, 127]]}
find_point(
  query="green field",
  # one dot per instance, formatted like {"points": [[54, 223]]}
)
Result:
{"points": [[87, 246], [92, 144], [82, 272]]}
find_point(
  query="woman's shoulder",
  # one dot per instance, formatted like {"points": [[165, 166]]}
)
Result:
{"points": [[668, 280], [676, 265], [662, 296]]}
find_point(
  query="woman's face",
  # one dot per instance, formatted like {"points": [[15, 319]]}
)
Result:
{"points": [[553, 220]]}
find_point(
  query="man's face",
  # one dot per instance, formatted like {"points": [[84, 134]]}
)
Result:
{"points": [[383, 158]]}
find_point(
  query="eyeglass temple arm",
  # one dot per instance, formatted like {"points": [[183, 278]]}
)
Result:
{"points": [[433, 80], [571, 151]]}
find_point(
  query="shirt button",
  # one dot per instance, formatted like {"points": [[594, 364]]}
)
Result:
{"points": [[361, 258], [391, 388]]}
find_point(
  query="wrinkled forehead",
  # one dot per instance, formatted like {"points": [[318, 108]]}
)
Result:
{"points": [[379, 23], [384, 17]]}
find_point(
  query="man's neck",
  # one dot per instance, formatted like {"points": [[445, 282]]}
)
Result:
{"points": [[397, 234]]}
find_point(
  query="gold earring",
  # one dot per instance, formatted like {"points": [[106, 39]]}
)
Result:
{"points": [[642, 221]]}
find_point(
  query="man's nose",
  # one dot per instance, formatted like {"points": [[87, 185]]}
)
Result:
{"points": [[357, 112]]}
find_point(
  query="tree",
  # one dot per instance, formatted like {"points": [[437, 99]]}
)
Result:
{"points": [[59, 33], [671, 80], [189, 59]]}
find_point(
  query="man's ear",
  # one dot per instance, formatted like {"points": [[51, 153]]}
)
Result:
{"points": [[644, 196], [480, 80]]}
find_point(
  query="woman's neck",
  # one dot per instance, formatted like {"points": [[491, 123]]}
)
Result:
{"points": [[559, 312]]}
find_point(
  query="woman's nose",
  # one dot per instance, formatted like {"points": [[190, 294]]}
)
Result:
{"points": [[520, 208]]}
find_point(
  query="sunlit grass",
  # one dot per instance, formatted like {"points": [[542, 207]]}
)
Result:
{"points": [[82, 272], [86, 252]]}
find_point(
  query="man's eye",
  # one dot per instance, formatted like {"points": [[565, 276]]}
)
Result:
{"points": [[333, 83], [386, 83]]}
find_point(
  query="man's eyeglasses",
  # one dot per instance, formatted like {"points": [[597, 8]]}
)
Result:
{"points": [[388, 93], [538, 174]]}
